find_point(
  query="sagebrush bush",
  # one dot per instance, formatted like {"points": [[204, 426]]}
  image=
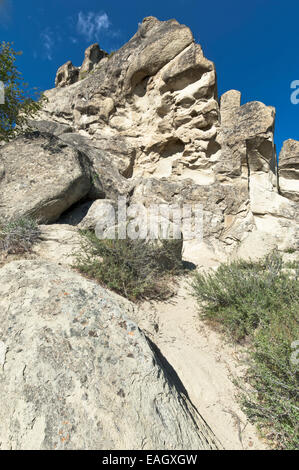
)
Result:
{"points": [[240, 294], [260, 301], [18, 236], [132, 268]]}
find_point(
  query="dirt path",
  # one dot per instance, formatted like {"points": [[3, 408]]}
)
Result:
{"points": [[205, 365]]}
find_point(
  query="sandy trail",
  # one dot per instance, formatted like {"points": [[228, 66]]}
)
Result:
{"points": [[205, 364]]}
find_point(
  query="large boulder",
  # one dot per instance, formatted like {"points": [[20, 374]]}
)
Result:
{"points": [[49, 127], [61, 169], [101, 211], [107, 181], [41, 177], [77, 373]]}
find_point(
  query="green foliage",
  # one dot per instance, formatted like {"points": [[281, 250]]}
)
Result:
{"points": [[290, 251], [132, 268], [260, 301], [18, 107], [273, 404], [18, 236]]}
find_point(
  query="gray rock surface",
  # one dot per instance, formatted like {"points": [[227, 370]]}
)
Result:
{"points": [[41, 177], [77, 373], [100, 211], [58, 243], [62, 168]]}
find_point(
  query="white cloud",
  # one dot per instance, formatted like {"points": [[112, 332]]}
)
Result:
{"points": [[48, 42], [91, 24]]}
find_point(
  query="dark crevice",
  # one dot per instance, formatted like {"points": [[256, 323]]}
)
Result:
{"points": [[213, 148], [170, 373], [128, 172], [75, 213]]}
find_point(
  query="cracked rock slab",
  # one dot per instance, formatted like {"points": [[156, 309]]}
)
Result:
{"points": [[79, 374]]}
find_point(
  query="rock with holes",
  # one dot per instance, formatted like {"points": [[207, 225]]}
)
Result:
{"points": [[79, 374], [150, 112], [152, 105], [93, 55], [66, 75]]}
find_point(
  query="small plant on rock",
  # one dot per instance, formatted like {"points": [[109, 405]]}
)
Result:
{"points": [[133, 268], [18, 236]]}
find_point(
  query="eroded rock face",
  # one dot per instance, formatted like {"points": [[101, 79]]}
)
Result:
{"points": [[246, 138], [155, 100], [93, 55], [161, 42], [153, 109], [66, 75], [289, 170], [77, 373]]}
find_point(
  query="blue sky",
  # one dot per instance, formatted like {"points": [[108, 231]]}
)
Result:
{"points": [[254, 44]]}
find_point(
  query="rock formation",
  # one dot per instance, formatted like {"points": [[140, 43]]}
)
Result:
{"points": [[144, 123], [289, 170], [152, 113], [68, 73]]}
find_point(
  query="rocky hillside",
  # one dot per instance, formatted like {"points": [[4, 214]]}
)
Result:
{"points": [[146, 123]]}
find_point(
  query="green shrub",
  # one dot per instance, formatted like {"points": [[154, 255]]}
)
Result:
{"points": [[18, 106], [132, 268], [273, 404], [260, 301], [18, 236], [290, 251]]}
